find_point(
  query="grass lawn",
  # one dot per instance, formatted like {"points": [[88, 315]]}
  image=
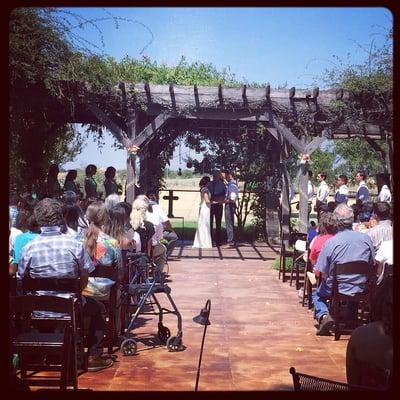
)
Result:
{"points": [[191, 226]]}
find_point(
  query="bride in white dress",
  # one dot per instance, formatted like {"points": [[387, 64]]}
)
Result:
{"points": [[202, 239]]}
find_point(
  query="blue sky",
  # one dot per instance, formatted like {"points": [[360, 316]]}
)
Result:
{"points": [[290, 46]]}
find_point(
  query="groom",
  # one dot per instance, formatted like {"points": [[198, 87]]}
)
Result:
{"points": [[232, 194], [217, 189]]}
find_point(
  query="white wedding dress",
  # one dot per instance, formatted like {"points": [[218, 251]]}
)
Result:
{"points": [[202, 239]]}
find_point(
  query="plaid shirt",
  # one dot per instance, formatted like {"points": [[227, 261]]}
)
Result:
{"points": [[53, 254]]}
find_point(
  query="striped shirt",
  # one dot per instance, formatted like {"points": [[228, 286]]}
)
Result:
{"points": [[381, 232]]}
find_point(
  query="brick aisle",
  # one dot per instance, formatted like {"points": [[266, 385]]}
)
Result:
{"points": [[259, 329]]}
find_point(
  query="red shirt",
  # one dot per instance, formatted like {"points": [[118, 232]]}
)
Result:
{"points": [[316, 246]]}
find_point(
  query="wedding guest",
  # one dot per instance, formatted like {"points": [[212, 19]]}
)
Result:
{"points": [[232, 194], [70, 184], [110, 185], [53, 186], [90, 183], [217, 191], [342, 192]]}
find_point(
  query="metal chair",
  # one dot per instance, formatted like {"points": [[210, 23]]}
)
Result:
{"points": [[42, 352], [359, 268], [310, 383]]}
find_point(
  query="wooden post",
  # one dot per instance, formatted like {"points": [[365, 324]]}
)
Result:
{"points": [[132, 127], [303, 201], [130, 178]]}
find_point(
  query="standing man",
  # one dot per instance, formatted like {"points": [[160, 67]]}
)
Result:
{"points": [[322, 193], [362, 195], [218, 191], [232, 194], [342, 193]]}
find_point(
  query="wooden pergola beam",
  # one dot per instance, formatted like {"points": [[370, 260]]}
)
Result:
{"points": [[150, 130], [109, 124]]}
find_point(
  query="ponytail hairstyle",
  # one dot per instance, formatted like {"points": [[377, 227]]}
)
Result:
{"points": [[97, 216]]}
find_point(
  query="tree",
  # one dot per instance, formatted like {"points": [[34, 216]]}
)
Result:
{"points": [[38, 52]]}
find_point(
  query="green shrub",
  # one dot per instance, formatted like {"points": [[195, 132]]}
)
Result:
{"points": [[289, 263]]}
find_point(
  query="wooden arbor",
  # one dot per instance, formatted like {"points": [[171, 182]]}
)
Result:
{"points": [[135, 113]]}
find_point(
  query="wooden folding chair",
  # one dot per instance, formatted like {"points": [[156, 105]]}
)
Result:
{"points": [[365, 298], [44, 352]]}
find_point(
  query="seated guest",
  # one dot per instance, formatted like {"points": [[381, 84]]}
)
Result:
{"points": [[71, 198], [71, 220], [364, 218], [111, 200], [115, 228], [384, 258], [383, 229], [369, 354], [26, 202], [132, 235], [312, 231], [13, 234], [102, 249], [346, 246], [144, 228], [159, 251], [327, 228], [13, 208], [168, 232], [54, 255], [26, 222]]}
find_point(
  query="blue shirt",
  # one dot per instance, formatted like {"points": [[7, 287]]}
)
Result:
{"points": [[344, 247], [362, 195], [20, 241]]}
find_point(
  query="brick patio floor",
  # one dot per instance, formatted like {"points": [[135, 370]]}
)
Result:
{"points": [[258, 330]]}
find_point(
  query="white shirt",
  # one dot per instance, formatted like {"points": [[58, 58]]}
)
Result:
{"points": [[385, 195], [310, 191], [385, 252], [323, 192], [156, 220]]}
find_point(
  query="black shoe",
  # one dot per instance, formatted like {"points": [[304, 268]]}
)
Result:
{"points": [[325, 326], [107, 356], [97, 363]]}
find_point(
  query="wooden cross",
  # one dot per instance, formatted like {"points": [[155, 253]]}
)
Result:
{"points": [[170, 199]]}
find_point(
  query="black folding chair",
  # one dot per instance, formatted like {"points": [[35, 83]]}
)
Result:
{"points": [[44, 351], [365, 299], [310, 383]]}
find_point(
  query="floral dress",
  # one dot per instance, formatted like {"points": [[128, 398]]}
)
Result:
{"points": [[107, 253]]}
